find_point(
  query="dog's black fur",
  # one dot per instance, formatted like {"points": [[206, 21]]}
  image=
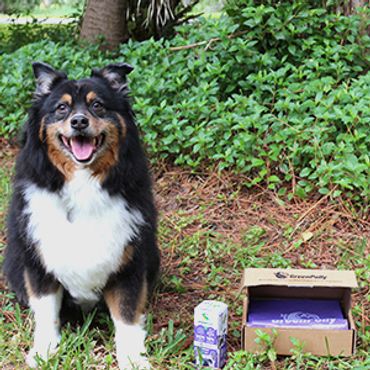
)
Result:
{"points": [[125, 177]]}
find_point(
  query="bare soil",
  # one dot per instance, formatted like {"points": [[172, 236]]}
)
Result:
{"points": [[326, 232]]}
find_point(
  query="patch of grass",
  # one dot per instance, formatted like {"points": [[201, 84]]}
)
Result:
{"points": [[81, 346], [206, 241], [4, 197], [57, 11], [4, 191]]}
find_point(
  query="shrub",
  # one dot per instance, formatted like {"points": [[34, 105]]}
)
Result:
{"points": [[278, 94]]}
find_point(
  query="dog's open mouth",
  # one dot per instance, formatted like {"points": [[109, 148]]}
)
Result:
{"points": [[83, 147]]}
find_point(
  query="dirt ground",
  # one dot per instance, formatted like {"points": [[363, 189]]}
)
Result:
{"points": [[316, 232]]}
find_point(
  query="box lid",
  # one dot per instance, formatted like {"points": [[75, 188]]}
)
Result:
{"points": [[298, 278]]}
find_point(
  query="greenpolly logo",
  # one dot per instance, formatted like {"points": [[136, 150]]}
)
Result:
{"points": [[205, 316], [285, 275]]}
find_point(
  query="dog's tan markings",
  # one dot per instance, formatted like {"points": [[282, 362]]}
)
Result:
{"points": [[109, 156], [56, 155], [52, 287], [27, 283], [66, 98], [123, 125], [90, 97], [128, 255], [141, 303], [113, 300], [41, 130]]}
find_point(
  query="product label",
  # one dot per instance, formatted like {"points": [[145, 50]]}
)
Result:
{"points": [[210, 329]]}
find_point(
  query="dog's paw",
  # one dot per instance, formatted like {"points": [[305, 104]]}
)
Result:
{"points": [[130, 345], [134, 362], [31, 359], [43, 351]]}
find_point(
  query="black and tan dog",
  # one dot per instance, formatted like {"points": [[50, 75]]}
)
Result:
{"points": [[82, 224]]}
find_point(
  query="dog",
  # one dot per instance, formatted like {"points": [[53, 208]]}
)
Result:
{"points": [[82, 220]]}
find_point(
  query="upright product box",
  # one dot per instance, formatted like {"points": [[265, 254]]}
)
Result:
{"points": [[210, 330], [313, 306]]}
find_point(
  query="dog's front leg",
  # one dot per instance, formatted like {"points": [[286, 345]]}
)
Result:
{"points": [[45, 303], [126, 300]]}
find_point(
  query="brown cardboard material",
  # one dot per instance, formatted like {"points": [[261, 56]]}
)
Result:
{"points": [[296, 283]]}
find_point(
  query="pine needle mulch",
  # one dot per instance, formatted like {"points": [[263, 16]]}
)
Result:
{"points": [[311, 233], [318, 232]]}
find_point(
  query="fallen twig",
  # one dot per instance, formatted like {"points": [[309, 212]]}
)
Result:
{"points": [[207, 42], [305, 214]]}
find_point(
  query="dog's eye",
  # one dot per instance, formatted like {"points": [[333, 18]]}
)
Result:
{"points": [[62, 108], [97, 106]]}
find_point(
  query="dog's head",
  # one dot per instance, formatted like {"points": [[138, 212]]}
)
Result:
{"points": [[82, 123]]}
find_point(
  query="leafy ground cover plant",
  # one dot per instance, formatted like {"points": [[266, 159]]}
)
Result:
{"points": [[278, 93]]}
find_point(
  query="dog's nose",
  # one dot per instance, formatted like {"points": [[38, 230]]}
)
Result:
{"points": [[79, 122]]}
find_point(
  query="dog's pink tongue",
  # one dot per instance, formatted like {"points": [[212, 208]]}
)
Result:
{"points": [[82, 147]]}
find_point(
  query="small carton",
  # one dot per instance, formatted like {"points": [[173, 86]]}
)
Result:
{"points": [[313, 306], [210, 329]]}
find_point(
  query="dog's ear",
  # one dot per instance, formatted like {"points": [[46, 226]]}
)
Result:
{"points": [[46, 77], [115, 74]]}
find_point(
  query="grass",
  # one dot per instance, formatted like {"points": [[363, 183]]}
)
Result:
{"points": [[210, 229], [53, 11]]}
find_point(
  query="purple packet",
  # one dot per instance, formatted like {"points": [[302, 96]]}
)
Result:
{"points": [[296, 313]]}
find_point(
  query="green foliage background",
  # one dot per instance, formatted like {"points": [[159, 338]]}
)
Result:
{"points": [[16, 6], [278, 92]]}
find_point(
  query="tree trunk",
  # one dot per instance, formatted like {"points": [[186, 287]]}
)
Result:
{"points": [[105, 18]]}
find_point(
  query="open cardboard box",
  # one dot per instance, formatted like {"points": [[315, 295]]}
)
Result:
{"points": [[305, 284]]}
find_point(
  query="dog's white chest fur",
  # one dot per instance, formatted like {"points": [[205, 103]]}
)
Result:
{"points": [[80, 233]]}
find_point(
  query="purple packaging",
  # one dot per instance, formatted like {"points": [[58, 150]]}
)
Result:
{"points": [[210, 329], [297, 313], [211, 358]]}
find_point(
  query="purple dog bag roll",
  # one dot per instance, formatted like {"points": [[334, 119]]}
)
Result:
{"points": [[296, 313]]}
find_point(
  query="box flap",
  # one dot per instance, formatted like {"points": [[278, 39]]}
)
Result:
{"points": [[299, 278]]}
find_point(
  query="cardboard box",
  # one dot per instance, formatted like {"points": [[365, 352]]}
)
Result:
{"points": [[273, 284], [210, 330]]}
